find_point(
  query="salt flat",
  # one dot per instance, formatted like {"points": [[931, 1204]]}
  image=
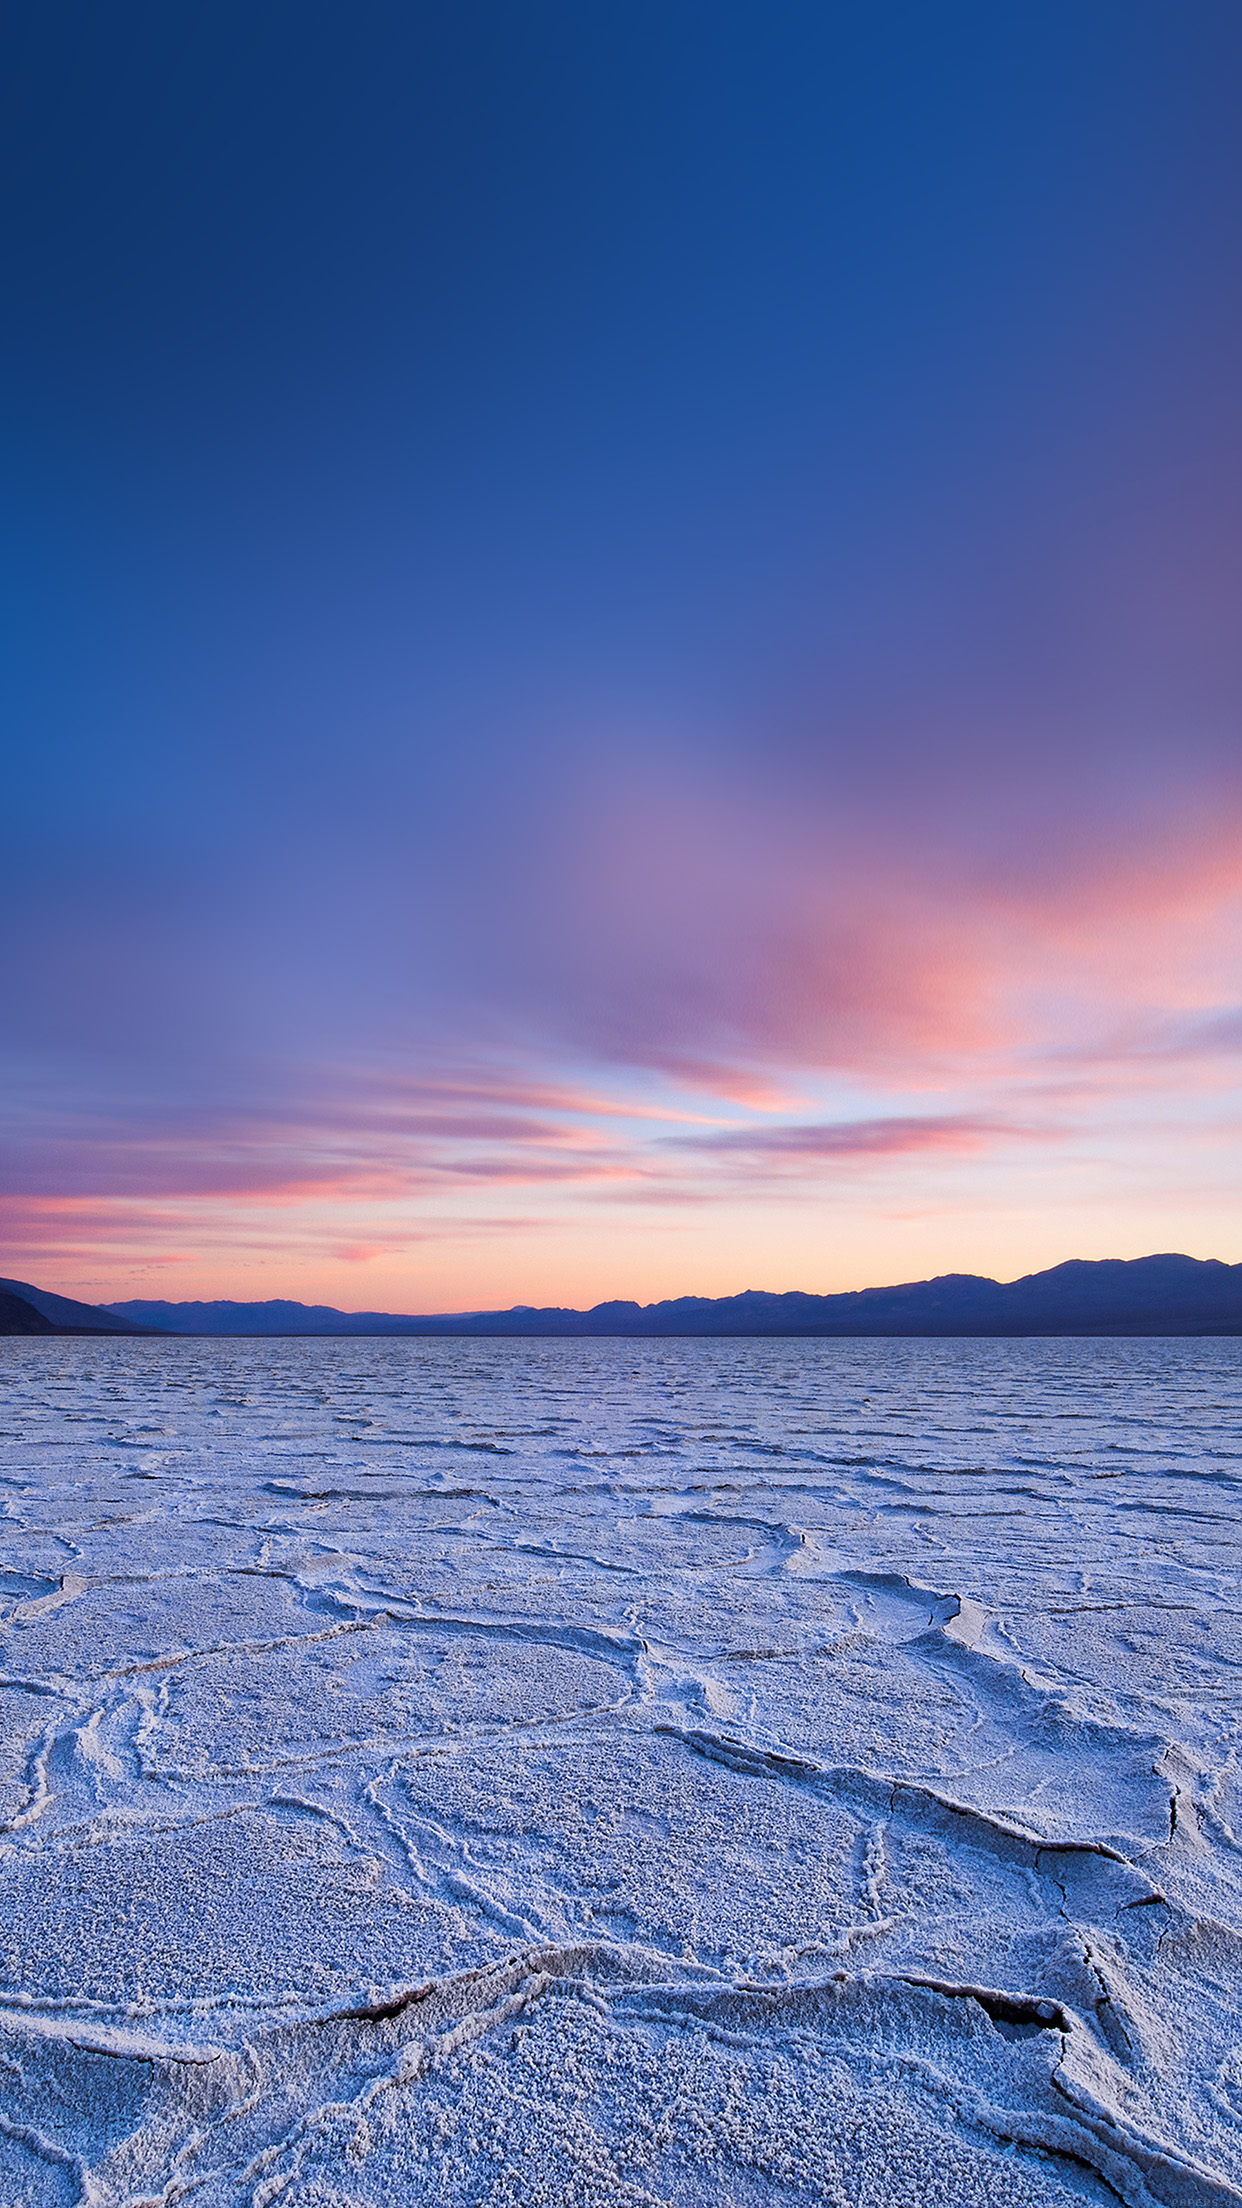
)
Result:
{"points": [[610, 1772]]}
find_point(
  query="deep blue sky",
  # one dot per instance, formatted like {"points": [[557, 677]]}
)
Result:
{"points": [[678, 556]]}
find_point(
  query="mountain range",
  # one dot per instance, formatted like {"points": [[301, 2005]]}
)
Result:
{"points": [[1143, 1295], [27, 1310]]}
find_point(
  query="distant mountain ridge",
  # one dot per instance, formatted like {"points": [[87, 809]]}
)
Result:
{"points": [[1167, 1294], [21, 1304], [19, 1317]]}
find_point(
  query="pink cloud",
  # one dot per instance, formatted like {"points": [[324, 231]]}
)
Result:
{"points": [[685, 951], [862, 1139]]}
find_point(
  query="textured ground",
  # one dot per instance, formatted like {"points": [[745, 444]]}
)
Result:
{"points": [[620, 1773]]}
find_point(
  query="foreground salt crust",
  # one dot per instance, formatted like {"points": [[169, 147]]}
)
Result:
{"points": [[703, 1772]]}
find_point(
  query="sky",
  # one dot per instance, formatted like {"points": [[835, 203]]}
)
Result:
{"points": [[621, 652]]}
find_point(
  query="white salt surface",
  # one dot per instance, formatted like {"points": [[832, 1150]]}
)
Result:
{"points": [[599, 1772]]}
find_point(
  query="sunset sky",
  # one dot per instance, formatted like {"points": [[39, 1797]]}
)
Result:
{"points": [[623, 646]]}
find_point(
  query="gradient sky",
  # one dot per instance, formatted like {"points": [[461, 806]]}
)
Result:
{"points": [[622, 652]]}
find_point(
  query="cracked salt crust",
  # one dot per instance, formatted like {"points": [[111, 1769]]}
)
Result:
{"points": [[745, 1773]]}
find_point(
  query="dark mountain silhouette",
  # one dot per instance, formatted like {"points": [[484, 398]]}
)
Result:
{"points": [[1142, 1295], [60, 1314], [19, 1317]]}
